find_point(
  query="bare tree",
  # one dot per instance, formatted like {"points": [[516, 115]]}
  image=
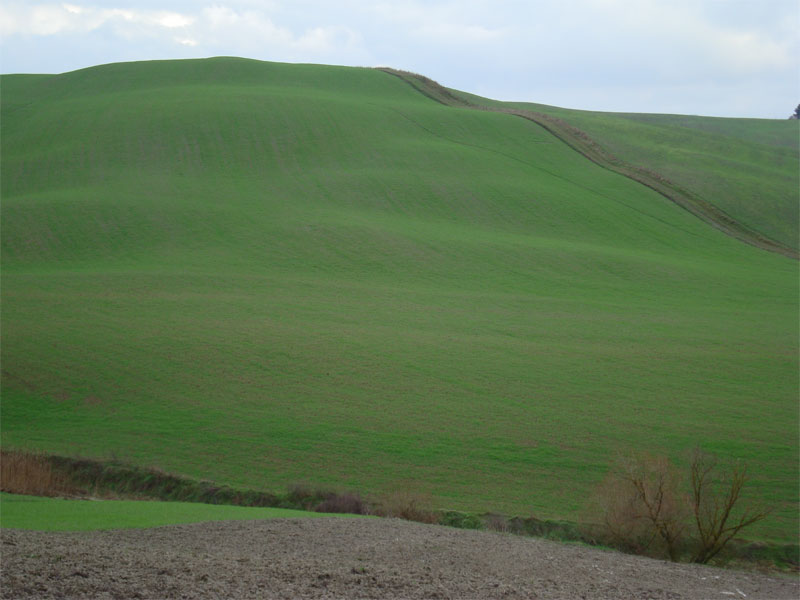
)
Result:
{"points": [[713, 504], [642, 505], [643, 509]]}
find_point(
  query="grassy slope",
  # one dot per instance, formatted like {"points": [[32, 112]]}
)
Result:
{"points": [[56, 514], [263, 273], [746, 167]]}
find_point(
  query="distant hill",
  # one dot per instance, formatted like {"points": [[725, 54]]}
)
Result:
{"points": [[264, 273]]}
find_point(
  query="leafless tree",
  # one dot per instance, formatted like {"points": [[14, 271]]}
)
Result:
{"points": [[643, 508], [714, 501], [643, 505]]}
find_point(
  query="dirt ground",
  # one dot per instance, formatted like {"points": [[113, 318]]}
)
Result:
{"points": [[347, 558]]}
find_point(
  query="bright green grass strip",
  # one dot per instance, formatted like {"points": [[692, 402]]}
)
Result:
{"points": [[56, 514]]}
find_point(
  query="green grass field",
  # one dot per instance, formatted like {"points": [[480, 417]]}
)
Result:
{"points": [[56, 514], [261, 273]]}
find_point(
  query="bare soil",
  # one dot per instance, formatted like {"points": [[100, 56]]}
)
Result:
{"points": [[347, 558]]}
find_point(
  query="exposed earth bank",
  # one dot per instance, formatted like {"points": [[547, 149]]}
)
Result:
{"points": [[352, 558]]}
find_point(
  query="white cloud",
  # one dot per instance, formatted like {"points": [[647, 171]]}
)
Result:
{"points": [[220, 16], [253, 31], [219, 24], [217, 27], [37, 20], [173, 20], [53, 19]]}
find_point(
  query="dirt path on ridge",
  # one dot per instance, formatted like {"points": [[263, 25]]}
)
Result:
{"points": [[347, 558]]}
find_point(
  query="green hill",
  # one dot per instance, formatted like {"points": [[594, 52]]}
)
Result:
{"points": [[747, 167], [739, 175], [263, 273]]}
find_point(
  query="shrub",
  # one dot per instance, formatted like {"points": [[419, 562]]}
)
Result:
{"points": [[714, 499], [454, 518], [343, 503], [494, 522], [27, 473], [306, 497], [407, 505], [643, 509]]}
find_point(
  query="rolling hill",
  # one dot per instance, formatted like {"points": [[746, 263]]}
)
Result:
{"points": [[263, 273], [738, 175]]}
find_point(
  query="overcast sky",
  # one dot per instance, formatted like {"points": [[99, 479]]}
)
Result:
{"points": [[738, 58]]}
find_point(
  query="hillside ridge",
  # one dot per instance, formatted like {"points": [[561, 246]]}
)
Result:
{"points": [[582, 143]]}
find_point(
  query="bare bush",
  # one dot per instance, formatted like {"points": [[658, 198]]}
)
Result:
{"points": [[301, 494], [343, 503], [714, 502], [498, 523], [307, 497], [643, 508], [409, 506]]}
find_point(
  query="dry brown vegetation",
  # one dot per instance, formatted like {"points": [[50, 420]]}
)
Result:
{"points": [[714, 499], [31, 473], [643, 510], [407, 505], [644, 507], [307, 497]]}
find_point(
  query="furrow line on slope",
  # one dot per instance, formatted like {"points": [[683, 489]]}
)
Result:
{"points": [[579, 141], [543, 170]]}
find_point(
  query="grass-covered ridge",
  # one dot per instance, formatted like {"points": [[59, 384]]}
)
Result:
{"points": [[739, 170], [738, 175], [261, 273]]}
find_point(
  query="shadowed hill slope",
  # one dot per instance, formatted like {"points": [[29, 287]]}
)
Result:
{"points": [[264, 273]]}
